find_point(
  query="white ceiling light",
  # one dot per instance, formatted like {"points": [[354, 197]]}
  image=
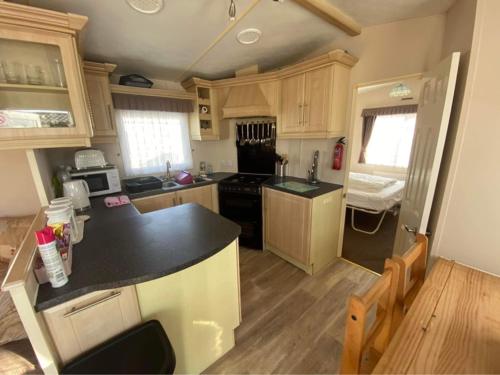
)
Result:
{"points": [[249, 36], [399, 91], [146, 6]]}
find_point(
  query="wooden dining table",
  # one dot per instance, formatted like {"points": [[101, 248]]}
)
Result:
{"points": [[452, 327]]}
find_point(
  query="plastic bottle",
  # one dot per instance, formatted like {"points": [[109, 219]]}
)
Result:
{"points": [[50, 256]]}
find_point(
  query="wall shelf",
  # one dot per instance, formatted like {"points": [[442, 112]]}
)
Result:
{"points": [[162, 93], [32, 88]]}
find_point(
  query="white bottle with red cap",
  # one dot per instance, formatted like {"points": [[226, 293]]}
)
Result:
{"points": [[51, 258]]}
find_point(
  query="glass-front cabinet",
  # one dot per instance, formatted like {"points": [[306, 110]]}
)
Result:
{"points": [[43, 101]]}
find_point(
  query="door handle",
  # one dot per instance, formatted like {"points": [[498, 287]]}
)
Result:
{"points": [[410, 229]]}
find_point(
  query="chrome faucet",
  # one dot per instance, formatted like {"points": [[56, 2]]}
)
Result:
{"points": [[167, 175], [312, 174]]}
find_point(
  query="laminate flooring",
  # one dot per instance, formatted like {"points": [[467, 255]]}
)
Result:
{"points": [[369, 250], [292, 322]]}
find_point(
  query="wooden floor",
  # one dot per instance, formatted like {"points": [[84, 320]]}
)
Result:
{"points": [[292, 322]]}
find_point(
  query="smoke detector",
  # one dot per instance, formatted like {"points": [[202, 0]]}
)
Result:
{"points": [[146, 6], [249, 36]]}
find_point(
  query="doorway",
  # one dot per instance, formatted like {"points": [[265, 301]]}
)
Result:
{"points": [[381, 141]]}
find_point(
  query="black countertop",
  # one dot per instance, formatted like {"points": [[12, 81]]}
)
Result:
{"points": [[214, 178], [322, 187], [122, 247]]}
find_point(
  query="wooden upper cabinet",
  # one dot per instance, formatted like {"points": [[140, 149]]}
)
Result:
{"points": [[292, 101], [101, 102], [43, 101], [317, 100], [314, 103]]}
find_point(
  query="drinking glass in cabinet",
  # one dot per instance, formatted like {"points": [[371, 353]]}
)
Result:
{"points": [[33, 86]]}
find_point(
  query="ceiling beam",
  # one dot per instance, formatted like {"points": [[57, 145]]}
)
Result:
{"points": [[219, 37], [332, 14]]}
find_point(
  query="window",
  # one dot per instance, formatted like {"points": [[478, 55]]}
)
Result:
{"points": [[391, 140], [149, 138]]}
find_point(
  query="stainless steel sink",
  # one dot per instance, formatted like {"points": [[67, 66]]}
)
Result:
{"points": [[169, 185]]}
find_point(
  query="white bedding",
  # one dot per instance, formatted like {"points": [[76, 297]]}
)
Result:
{"points": [[382, 200], [368, 182]]}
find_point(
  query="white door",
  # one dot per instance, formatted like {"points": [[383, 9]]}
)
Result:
{"points": [[433, 115]]}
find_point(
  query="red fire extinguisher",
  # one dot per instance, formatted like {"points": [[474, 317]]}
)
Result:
{"points": [[338, 154]]}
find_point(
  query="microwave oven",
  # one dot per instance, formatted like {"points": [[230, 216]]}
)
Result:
{"points": [[101, 181]]}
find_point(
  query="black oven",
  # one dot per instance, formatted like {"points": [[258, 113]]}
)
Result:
{"points": [[245, 210]]}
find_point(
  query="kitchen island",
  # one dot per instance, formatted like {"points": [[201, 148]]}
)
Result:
{"points": [[177, 265]]}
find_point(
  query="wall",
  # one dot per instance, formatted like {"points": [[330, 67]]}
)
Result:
{"points": [[18, 196], [467, 228], [385, 51], [373, 97]]}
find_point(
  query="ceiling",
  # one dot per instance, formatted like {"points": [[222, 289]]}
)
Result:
{"points": [[195, 37]]}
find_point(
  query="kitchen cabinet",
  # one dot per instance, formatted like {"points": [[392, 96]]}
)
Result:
{"points": [[155, 202], [314, 103], [43, 102], [206, 196], [101, 102], [287, 228], [80, 324], [303, 231], [205, 121], [201, 195], [292, 98]]}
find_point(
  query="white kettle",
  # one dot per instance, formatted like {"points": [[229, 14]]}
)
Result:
{"points": [[78, 191]]}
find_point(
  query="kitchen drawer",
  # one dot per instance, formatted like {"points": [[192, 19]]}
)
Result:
{"points": [[82, 323]]}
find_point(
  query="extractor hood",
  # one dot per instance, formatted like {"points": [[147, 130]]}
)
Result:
{"points": [[246, 101]]}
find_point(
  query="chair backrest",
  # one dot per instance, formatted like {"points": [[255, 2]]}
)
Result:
{"points": [[412, 267], [358, 337]]}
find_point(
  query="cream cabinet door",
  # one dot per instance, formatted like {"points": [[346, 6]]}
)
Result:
{"points": [[292, 100], [317, 100], [155, 202], [79, 325], [288, 224], [101, 104], [201, 195]]}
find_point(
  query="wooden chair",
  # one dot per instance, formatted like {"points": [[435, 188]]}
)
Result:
{"points": [[412, 268], [361, 340]]}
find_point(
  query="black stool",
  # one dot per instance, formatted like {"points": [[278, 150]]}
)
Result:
{"points": [[144, 349]]}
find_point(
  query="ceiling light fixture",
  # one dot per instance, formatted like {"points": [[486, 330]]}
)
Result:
{"points": [[249, 36], [146, 6], [232, 11], [399, 91]]}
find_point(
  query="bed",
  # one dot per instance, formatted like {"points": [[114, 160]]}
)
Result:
{"points": [[373, 195]]}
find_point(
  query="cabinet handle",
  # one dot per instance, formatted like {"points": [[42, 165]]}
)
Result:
{"points": [[110, 117], [75, 310]]}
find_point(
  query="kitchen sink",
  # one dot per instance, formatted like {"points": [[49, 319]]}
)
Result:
{"points": [[169, 185]]}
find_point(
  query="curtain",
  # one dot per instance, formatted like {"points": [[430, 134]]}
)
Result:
{"points": [[149, 138], [369, 117], [394, 110], [151, 103], [368, 122]]}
